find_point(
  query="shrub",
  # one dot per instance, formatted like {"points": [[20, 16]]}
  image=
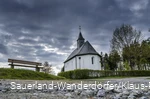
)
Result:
{"points": [[81, 74], [87, 73]]}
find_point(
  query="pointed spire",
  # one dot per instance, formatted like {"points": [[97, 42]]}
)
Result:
{"points": [[80, 40], [80, 34]]}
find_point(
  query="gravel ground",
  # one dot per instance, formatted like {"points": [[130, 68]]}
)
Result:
{"points": [[126, 88]]}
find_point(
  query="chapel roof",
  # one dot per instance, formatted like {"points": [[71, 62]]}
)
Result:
{"points": [[85, 49]]}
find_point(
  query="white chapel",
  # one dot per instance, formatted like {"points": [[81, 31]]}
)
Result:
{"points": [[83, 57]]}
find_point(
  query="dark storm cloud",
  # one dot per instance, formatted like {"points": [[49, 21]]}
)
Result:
{"points": [[45, 30], [3, 49], [4, 39]]}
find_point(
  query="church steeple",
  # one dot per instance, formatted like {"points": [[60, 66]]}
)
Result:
{"points": [[80, 40]]}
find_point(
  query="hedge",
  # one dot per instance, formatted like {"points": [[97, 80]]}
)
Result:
{"points": [[87, 73]]}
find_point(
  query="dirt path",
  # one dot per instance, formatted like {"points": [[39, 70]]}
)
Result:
{"points": [[131, 79]]}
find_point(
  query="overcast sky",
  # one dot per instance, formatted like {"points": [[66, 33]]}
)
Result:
{"points": [[47, 30]]}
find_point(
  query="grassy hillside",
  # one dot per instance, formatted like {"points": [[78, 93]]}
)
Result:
{"points": [[7, 73]]}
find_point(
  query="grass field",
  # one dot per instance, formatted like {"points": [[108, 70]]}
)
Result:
{"points": [[7, 73]]}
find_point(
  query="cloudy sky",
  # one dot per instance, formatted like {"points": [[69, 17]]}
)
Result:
{"points": [[47, 30]]}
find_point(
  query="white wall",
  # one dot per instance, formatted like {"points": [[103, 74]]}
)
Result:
{"points": [[70, 65], [85, 62]]}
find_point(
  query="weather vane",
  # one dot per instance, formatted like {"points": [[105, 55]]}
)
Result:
{"points": [[79, 28]]}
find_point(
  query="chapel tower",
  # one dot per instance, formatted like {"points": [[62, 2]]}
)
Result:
{"points": [[80, 40]]}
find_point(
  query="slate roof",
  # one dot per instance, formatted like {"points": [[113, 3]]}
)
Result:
{"points": [[86, 48]]}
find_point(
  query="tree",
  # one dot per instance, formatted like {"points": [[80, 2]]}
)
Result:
{"points": [[47, 68], [138, 55], [102, 61], [145, 53], [124, 36], [126, 41], [111, 62], [114, 59], [105, 62], [132, 54], [126, 65]]}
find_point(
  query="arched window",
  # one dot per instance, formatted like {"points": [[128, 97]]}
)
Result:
{"points": [[92, 59], [79, 62]]}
